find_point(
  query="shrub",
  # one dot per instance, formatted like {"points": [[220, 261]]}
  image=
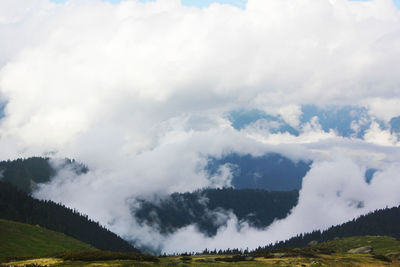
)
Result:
{"points": [[235, 258], [104, 256], [382, 258]]}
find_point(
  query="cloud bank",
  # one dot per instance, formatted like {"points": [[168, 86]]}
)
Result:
{"points": [[141, 92]]}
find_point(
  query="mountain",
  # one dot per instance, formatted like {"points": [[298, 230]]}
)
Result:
{"points": [[18, 206], [346, 121], [242, 118], [395, 125], [384, 222], [270, 172], [24, 240], [25, 174], [208, 208]]}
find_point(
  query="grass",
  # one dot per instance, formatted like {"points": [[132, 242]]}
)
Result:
{"points": [[381, 245], [23, 240], [311, 257], [101, 255], [337, 260], [334, 261]]}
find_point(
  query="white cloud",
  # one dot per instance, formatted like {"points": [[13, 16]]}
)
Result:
{"points": [[379, 136], [138, 91], [291, 114], [384, 108], [333, 192]]}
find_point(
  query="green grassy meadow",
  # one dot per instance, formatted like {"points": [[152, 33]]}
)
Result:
{"points": [[21, 240], [382, 245], [24, 240], [340, 260]]}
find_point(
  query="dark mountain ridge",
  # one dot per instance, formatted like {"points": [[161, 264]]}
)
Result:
{"points": [[271, 171], [383, 222], [17, 206], [26, 174], [208, 209]]}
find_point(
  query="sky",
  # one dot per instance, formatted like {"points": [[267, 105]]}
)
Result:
{"points": [[143, 93], [197, 3], [206, 3]]}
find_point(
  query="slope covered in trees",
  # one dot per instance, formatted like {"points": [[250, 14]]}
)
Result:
{"points": [[384, 222], [17, 206], [208, 208], [25, 174], [269, 172]]}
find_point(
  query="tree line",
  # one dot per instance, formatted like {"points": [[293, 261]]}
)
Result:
{"points": [[203, 207], [26, 174], [17, 206], [382, 222]]}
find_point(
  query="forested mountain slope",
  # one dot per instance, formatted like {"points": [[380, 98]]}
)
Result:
{"points": [[18, 206], [25, 174], [384, 222], [271, 171], [206, 208]]}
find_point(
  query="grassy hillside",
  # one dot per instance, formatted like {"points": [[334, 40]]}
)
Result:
{"points": [[382, 245], [379, 245], [350, 251], [20, 240], [386, 252]]}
